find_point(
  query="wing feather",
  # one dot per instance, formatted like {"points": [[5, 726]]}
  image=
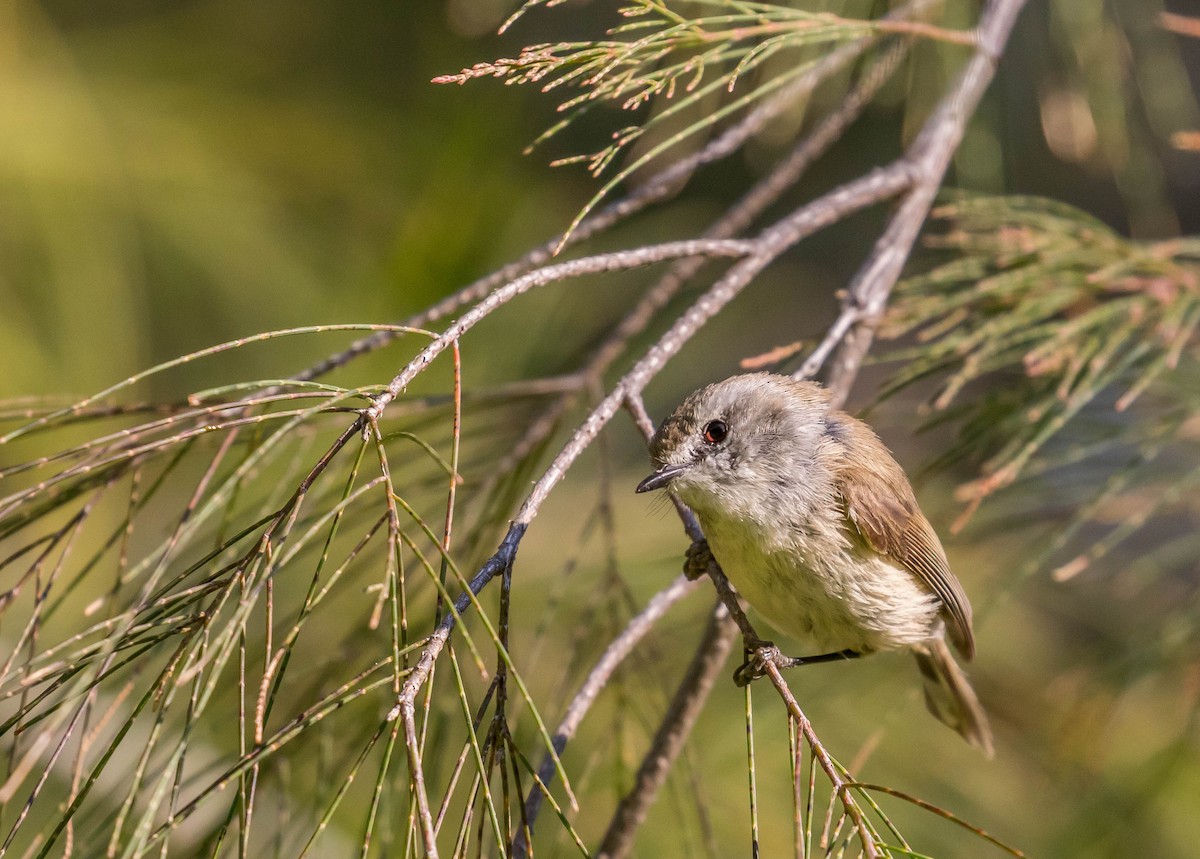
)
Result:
{"points": [[881, 506]]}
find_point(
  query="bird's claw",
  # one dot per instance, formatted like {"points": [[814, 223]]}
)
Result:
{"points": [[759, 656], [696, 560]]}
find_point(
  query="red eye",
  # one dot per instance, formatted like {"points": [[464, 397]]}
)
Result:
{"points": [[715, 432]]}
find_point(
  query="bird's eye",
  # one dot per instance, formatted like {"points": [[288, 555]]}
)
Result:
{"points": [[715, 432]]}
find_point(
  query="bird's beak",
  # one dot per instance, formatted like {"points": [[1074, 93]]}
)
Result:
{"points": [[661, 478]]}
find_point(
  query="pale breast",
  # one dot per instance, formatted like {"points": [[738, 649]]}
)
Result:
{"points": [[823, 589]]}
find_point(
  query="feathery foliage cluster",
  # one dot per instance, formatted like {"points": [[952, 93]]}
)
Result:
{"points": [[685, 63], [1071, 312]]}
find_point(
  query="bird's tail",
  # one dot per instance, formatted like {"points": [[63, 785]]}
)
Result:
{"points": [[949, 696]]}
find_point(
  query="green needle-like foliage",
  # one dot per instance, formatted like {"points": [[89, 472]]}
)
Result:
{"points": [[1080, 324], [699, 68]]}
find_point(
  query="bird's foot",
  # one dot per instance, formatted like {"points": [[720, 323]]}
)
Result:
{"points": [[696, 560], [759, 655], [762, 654]]}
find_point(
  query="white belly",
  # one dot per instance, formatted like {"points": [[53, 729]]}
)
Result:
{"points": [[844, 597]]}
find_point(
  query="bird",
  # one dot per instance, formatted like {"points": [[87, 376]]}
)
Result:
{"points": [[817, 527]]}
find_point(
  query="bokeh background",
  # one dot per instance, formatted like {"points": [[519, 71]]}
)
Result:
{"points": [[176, 174]]}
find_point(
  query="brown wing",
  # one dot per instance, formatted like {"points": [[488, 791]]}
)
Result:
{"points": [[882, 508]]}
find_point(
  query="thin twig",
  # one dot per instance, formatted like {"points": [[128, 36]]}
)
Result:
{"points": [[939, 811], [841, 788]]}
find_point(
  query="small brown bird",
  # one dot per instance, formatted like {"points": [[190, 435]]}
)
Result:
{"points": [[816, 525]]}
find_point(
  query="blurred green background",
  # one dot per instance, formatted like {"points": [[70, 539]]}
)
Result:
{"points": [[176, 174]]}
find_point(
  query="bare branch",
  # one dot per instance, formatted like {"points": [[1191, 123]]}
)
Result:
{"points": [[417, 778], [929, 156], [619, 648], [602, 263], [491, 568], [841, 787], [674, 730]]}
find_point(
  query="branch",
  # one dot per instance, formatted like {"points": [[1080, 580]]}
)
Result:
{"points": [[929, 156], [619, 648], [405, 707], [841, 787], [674, 730], [599, 264]]}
